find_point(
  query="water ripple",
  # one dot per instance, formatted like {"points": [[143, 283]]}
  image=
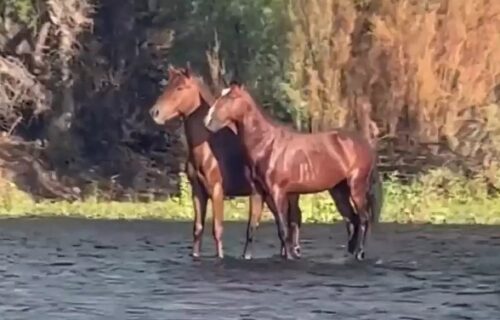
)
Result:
{"points": [[67, 269]]}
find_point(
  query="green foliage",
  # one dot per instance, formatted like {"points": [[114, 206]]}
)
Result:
{"points": [[440, 196], [20, 10], [252, 35]]}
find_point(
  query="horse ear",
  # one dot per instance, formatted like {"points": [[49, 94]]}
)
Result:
{"points": [[236, 86], [188, 71], [170, 70]]}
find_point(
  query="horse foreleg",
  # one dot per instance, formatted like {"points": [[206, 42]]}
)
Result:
{"points": [[218, 217], [255, 214], [200, 199], [272, 207]]}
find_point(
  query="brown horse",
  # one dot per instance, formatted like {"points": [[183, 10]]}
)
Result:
{"points": [[286, 162], [216, 165]]}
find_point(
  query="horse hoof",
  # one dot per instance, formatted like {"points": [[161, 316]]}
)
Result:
{"points": [[297, 252], [290, 255], [219, 256], [247, 256], [360, 255], [282, 253], [195, 255], [286, 256]]}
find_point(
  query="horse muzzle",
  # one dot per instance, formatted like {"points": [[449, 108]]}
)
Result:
{"points": [[161, 118], [154, 112], [211, 124]]}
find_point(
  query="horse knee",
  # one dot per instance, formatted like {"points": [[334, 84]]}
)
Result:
{"points": [[363, 217], [198, 229]]}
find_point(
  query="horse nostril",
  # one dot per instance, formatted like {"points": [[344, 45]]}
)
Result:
{"points": [[154, 112]]}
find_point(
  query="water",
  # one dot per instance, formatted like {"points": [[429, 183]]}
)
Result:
{"points": [[75, 269]]}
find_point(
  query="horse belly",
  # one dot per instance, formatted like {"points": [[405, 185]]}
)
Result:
{"points": [[311, 178], [312, 185]]}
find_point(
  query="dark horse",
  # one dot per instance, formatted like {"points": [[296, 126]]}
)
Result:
{"points": [[216, 165], [285, 162]]}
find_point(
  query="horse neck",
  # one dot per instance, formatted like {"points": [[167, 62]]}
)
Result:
{"points": [[194, 128], [256, 130]]}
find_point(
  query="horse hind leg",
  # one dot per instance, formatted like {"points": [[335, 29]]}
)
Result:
{"points": [[359, 184], [341, 195], [295, 222]]}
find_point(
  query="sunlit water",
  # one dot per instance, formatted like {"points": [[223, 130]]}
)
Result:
{"points": [[74, 269]]}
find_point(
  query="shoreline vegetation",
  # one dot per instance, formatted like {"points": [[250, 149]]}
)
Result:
{"points": [[438, 197]]}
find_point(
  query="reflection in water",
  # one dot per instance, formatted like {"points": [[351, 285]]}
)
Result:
{"points": [[73, 269]]}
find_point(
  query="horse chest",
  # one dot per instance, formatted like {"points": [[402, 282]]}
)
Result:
{"points": [[203, 163]]}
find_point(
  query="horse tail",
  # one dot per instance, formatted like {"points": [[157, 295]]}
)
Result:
{"points": [[375, 195]]}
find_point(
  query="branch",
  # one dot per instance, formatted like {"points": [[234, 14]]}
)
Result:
{"points": [[18, 86], [40, 44]]}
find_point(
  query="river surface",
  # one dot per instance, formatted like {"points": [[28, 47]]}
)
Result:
{"points": [[75, 269]]}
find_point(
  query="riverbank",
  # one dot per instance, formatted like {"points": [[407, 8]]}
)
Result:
{"points": [[438, 197]]}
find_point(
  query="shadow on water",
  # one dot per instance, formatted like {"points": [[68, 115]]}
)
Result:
{"points": [[77, 269]]}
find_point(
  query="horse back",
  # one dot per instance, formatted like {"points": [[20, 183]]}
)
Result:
{"points": [[336, 152]]}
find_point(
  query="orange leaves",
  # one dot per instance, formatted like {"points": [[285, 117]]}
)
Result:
{"points": [[441, 59]]}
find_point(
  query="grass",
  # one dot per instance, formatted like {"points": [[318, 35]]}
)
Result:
{"points": [[438, 197]]}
